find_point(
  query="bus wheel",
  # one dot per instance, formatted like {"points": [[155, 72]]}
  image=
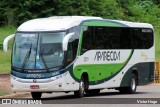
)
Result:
{"points": [[133, 85], [80, 92], [93, 92], [36, 95], [131, 89]]}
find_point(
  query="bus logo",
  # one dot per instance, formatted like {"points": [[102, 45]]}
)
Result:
{"points": [[34, 81], [107, 56]]}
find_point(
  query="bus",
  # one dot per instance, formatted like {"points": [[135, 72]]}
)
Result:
{"points": [[81, 54]]}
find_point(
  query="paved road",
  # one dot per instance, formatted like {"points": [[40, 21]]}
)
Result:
{"points": [[148, 92], [107, 98]]}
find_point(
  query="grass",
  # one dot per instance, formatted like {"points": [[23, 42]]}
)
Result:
{"points": [[5, 58], [157, 43], [5, 62], [6, 31], [3, 92]]}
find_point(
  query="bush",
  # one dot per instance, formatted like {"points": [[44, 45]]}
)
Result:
{"points": [[19, 11]]}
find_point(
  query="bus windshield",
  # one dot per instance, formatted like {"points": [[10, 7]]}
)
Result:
{"points": [[38, 50]]}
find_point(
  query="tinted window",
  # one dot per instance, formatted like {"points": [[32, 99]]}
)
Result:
{"points": [[71, 51], [116, 38], [106, 38], [142, 38], [87, 39]]}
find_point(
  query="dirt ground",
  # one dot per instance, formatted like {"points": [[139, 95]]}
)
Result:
{"points": [[5, 82]]}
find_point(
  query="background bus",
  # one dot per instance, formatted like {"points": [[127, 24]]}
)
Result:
{"points": [[81, 54]]}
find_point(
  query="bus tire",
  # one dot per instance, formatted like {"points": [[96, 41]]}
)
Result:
{"points": [[131, 89], [93, 92], [80, 92], [36, 95]]}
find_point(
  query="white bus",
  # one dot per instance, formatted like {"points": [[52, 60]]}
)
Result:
{"points": [[81, 54]]}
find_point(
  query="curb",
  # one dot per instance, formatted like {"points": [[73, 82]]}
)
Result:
{"points": [[16, 95]]}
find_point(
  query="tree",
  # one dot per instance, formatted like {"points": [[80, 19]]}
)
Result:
{"points": [[19, 11]]}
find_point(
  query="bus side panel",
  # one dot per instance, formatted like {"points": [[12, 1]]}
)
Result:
{"points": [[145, 74], [151, 71]]}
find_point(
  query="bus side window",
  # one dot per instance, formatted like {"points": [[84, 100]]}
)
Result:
{"points": [[142, 38], [86, 40], [69, 54], [125, 38], [75, 47], [72, 51]]}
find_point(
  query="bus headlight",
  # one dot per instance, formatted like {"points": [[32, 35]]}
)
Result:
{"points": [[57, 77]]}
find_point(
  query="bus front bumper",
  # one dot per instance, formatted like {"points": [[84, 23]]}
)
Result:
{"points": [[37, 85]]}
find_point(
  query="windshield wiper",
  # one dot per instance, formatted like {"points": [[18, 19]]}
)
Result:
{"points": [[43, 61], [26, 57]]}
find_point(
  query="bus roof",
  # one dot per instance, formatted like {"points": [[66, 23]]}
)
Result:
{"points": [[59, 23]]}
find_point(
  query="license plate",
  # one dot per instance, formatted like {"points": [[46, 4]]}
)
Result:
{"points": [[34, 86]]}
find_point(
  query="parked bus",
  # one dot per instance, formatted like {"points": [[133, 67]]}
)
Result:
{"points": [[81, 54]]}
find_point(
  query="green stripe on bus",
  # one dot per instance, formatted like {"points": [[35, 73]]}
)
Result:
{"points": [[80, 42], [102, 23], [99, 72]]}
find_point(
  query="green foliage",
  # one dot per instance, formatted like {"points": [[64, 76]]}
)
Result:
{"points": [[19, 11], [157, 43], [5, 62], [6, 31], [14, 13], [5, 58], [3, 92], [143, 11], [112, 10], [70, 7]]}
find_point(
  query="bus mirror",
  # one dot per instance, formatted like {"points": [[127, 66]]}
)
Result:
{"points": [[66, 40], [5, 42]]}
